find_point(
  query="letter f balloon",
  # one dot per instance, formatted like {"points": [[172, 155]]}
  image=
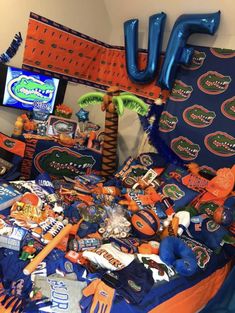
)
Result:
{"points": [[176, 53]]}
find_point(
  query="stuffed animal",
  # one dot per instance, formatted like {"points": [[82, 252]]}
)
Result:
{"points": [[174, 252]]}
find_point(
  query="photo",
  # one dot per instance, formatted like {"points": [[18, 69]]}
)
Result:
{"points": [[58, 125]]}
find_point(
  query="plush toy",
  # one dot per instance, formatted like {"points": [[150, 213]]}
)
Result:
{"points": [[174, 252], [28, 251]]}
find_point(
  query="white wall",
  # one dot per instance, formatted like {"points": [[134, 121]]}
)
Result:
{"points": [[87, 16], [121, 10], [103, 19]]}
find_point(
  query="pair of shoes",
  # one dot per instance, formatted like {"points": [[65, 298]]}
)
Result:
{"points": [[47, 230]]}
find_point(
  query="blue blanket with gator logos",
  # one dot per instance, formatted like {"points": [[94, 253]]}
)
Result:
{"points": [[197, 122]]}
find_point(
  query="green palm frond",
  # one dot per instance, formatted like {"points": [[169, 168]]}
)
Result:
{"points": [[135, 104], [117, 100], [91, 98], [126, 93]]}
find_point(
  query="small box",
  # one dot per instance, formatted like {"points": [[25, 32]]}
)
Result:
{"points": [[14, 239]]}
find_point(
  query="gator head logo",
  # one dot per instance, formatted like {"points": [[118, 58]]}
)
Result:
{"points": [[29, 90], [198, 116], [134, 286], [167, 122], [173, 191], [180, 91], [146, 160], [202, 254], [133, 174], [185, 148], [223, 53], [60, 162], [212, 226], [196, 62], [228, 108], [213, 83], [9, 143], [220, 143], [208, 208]]}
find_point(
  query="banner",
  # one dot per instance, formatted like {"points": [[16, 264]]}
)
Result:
{"points": [[43, 155], [61, 52]]}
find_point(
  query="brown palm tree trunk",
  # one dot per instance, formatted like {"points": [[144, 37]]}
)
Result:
{"points": [[109, 154]]}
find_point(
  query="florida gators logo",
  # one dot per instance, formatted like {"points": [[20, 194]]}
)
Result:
{"points": [[60, 161], [228, 108], [223, 53], [220, 143], [9, 143], [198, 116], [185, 148], [213, 83], [133, 285], [133, 174], [167, 122], [212, 226], [173, 191], [181, 91], [139, 224], [146, 160], [202, 255], [196, 62]]}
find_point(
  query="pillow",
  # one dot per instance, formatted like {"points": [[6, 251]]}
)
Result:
{"points": [[174, 171], [178, 193], [174, 252], [202, 252]]}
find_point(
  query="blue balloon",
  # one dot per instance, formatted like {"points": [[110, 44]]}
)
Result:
{"points": [[156, 27], [82, 115], [177, 52]]}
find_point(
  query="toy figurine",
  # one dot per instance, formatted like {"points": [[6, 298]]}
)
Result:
{"points": [[28, 252], [67, 140], [29, 126], [18, 129]]}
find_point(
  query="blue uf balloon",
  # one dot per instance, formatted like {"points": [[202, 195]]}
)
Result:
{"points": [[156, 27], [176, 52]]}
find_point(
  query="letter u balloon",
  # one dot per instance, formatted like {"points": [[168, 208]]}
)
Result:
{"points": [[176, 53]]}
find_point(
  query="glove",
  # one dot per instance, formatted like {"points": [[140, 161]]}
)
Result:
{"points": [[102, 299], [38, 306], [10, 304]]}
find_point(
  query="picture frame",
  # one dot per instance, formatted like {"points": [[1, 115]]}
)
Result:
{"points": [[59, 125]]}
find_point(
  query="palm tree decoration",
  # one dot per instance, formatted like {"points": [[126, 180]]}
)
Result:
{"points": [[113, 103]]}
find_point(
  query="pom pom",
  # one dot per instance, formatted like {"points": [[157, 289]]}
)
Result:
{"points": [[13, 48], [193, 168]]}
